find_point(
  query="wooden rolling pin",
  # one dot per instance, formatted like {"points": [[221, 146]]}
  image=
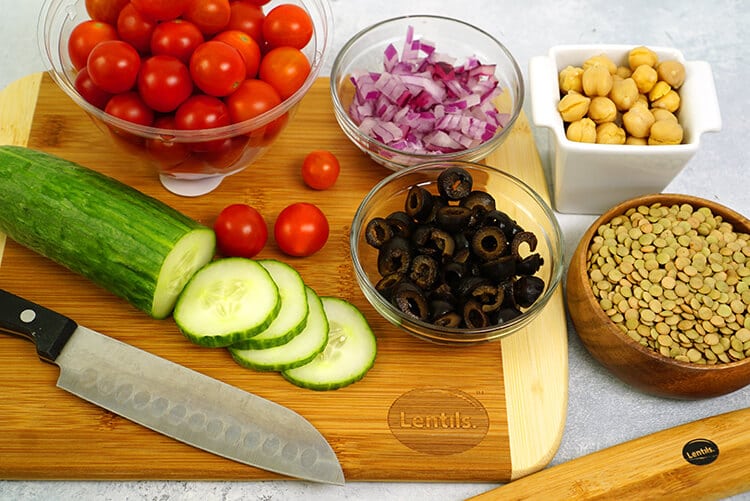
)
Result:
{"points": [[705, 459]]}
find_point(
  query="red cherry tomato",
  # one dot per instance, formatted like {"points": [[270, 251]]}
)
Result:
{"points": [[287, 25], [249, 18], [84, 37], [164, 83], [105, 10], [246, 46], [113, 66], [301, 229], [320, 169], [252, 98], [217, 68], [259, 3], [129, 106], [240, 231], [167, 153], [286, 69], [135, 29], [203, 112], [160, 10], [177, 38], [89, 91], [211, 16]]}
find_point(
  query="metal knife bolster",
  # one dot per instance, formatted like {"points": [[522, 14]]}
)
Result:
{"points": [[48, 329]]}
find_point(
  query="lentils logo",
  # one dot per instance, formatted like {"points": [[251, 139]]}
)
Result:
{"points": [[438, 421], [700, 451]]}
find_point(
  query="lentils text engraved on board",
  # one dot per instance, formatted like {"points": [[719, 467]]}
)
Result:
{"points": [[677, 280]]}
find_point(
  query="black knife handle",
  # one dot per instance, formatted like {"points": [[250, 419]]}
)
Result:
{"points": [[48, 330]]}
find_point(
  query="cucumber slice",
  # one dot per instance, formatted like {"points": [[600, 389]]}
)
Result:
{"points": [[348, 355], [227, 301], [293, 314], [299, 351]]}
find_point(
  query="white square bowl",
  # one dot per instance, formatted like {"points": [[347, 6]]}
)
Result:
{"points": [[591, 178]]}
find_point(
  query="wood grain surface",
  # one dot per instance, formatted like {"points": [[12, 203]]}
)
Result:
{"points": [[514, 390]]}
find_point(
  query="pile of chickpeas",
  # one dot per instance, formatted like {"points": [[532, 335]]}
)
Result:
{"points": [[633, 103]]}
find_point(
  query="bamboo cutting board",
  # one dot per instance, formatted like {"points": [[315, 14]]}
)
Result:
{"points": [[493, 412]]}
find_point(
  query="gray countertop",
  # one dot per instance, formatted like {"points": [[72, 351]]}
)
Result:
{"points": [[602, 411]]}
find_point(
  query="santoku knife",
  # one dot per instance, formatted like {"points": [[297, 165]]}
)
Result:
{"points": [[172, 399]]}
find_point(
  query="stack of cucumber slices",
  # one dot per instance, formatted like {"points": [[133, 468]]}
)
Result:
{"points": [[270, 320]]}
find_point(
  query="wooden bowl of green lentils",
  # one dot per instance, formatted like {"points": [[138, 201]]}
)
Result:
{"points": [[659, 293]]}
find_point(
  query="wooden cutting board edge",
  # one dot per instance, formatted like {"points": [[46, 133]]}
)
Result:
{"points": [[532, 445]]}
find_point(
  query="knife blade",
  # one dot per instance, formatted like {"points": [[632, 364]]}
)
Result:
{"points": [[700, 460], [172, 399]]}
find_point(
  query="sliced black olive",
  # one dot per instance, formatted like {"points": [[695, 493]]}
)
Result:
{"points": [[503, 221], [424, 271], [418, 203], [394, 256], [437, 204], [386, 284], [479, 200], [443, 242], [453, 219], [474, 316], [500, 269], [453, 273], [454, 183], [401, 223], [527, 289], [462, 251], [489, 296], [450, 319], [466, 286], [443, 292], [519, 239], [530, 264], [440, 307], [408, 298], [420, 237], [378, 231], [506, 314], [489, 242]]}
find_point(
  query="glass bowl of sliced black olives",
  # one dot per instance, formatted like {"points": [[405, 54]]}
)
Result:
{"points": [[456, 253]]}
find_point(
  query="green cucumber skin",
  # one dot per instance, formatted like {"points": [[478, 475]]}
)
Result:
{"points": [[90, 223]]}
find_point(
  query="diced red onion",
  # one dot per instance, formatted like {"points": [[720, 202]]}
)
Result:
{"points": [[424, 103]]}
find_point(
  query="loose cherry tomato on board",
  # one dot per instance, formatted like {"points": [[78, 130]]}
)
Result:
{"points": [[287, 25], [135, 29], [113, 66], [105, 10], [89, 91], [240, 231], [285, 68], [164, 83], [248, 18], [320, 169], [129, 106], [217, 68], [160, 10], [211, 16], [252, 98], [246, 46], [84, 37], [177, 38], [301, 229]]}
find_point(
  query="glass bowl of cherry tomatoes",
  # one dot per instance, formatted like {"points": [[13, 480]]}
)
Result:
{"points": [[199, 89]]}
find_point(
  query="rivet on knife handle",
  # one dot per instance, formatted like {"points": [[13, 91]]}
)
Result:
{"points": [[47, 329]]}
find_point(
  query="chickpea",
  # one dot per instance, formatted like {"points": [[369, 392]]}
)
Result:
{"points": [[597, 81], [641, 55], [665, 132], [638, 121], [642, 99], [570, 79], [623, 72], [658, 91], [601, 60], [602, 109], [573, 106], [582, 131], [624, 93], [669, 101], [645, 78], [672, 72], [610, 133], [636, 141], [663, 114]]}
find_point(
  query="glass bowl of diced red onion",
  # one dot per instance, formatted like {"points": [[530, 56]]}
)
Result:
{"points": [[425, 88]]}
